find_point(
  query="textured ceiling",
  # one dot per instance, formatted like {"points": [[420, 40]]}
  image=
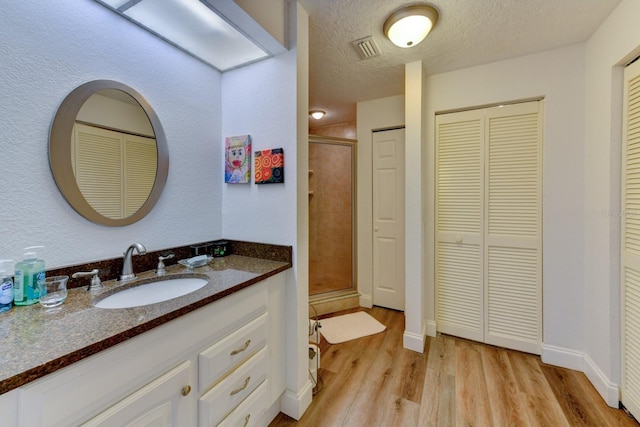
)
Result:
{"points": [[468, 33]]}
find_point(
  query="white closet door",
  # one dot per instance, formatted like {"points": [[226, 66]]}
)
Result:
{"points": [[98, 168], [459, 219], [388, 219], [513, 227], [140, 167], [630, 274]]}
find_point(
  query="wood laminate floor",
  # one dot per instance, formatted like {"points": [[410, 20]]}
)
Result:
{"points": [[373, 381]]}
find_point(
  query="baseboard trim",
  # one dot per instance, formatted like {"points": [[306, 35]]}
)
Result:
{"points": [[430, 328], [366, 301], [270, 414], [413, 341], [563, 357], [294, 404], [576, 360], [609, 391]]}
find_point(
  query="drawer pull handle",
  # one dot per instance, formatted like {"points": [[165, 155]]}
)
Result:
{"points": [[186, 390], [246, 420], [241, 349], [238, 390]]}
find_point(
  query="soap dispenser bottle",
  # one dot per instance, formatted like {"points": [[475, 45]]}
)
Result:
{"points": [[29, 277], [6, 286]]}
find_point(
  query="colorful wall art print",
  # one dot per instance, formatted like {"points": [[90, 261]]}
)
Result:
{"points": [[237, 165], [269, 166]]}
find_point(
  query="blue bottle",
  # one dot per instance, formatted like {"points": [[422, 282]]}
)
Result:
{"points": [[6, 286]]}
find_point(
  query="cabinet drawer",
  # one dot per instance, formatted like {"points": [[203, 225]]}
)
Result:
{"points": [[224, 397], [249, 412], [223, 356]]}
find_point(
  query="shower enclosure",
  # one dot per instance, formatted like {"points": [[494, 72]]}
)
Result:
{"points": [[332, 184]]}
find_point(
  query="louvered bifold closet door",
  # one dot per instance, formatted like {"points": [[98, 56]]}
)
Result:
{"points": [[140, 167], [459, 219], [630, 274], [513, 227], [97, 164]]}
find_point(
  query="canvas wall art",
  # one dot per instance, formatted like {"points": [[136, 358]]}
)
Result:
{"points": [[237, 165], [269, 166]]}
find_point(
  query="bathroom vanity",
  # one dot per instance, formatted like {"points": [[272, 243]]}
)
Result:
{"points": [[211, 357]]}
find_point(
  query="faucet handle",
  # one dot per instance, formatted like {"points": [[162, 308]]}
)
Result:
{"points": [[161, 269], [95, 284]]}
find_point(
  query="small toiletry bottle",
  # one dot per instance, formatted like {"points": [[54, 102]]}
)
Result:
{"points": [[29, 277], [6, 285]]}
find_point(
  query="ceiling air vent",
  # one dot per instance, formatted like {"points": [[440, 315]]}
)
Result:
{"points": [[366, 47]]}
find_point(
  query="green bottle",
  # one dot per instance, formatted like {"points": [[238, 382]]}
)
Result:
{"points": [[29, 277]]}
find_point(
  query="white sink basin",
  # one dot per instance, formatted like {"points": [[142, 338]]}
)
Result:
{"points": [[151, 293]]}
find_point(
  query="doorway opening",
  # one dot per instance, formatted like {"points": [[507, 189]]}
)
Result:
{"points": [[332, 216]]}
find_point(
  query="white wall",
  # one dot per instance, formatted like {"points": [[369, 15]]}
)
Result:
{"points": [[48, 49], [614, 44], [259, 100], [415, 300]]}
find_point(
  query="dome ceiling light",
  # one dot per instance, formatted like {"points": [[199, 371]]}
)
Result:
{"points": [[409, 25], [317, 114]]}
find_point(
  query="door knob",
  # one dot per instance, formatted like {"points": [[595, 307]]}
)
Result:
{"points": [[186, 390], [375, 229], [458, 239]]}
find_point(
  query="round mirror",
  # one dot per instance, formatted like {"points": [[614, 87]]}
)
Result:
{"points": [[108, 153]]}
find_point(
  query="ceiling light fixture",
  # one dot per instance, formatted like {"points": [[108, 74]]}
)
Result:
{"points": [[317, 114], [193, 26], [409, 25]]}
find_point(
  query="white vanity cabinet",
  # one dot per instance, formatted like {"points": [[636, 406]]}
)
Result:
{"points": [[220, 364]]}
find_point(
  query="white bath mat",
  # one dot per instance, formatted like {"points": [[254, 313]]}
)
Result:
{"points": [[349, 327]]}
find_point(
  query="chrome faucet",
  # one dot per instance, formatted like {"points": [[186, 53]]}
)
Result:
{"points": [[127, 264]]}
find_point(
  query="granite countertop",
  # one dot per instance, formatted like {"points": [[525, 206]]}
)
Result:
{"points": [[38, 341]]}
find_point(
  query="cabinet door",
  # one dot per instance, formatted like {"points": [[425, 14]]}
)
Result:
{"points": [[159, 403]]}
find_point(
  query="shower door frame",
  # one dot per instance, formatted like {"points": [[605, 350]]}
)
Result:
{"points": [[351, 143]]}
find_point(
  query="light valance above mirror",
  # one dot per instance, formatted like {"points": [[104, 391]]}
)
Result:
{"points": [[108, 153], [218, 32]]}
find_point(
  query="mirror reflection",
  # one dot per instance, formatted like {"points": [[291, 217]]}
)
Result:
{"points": [[108, 153], [113, 153]]}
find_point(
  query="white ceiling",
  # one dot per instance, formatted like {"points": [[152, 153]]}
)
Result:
{"points": [[468, 33]]}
